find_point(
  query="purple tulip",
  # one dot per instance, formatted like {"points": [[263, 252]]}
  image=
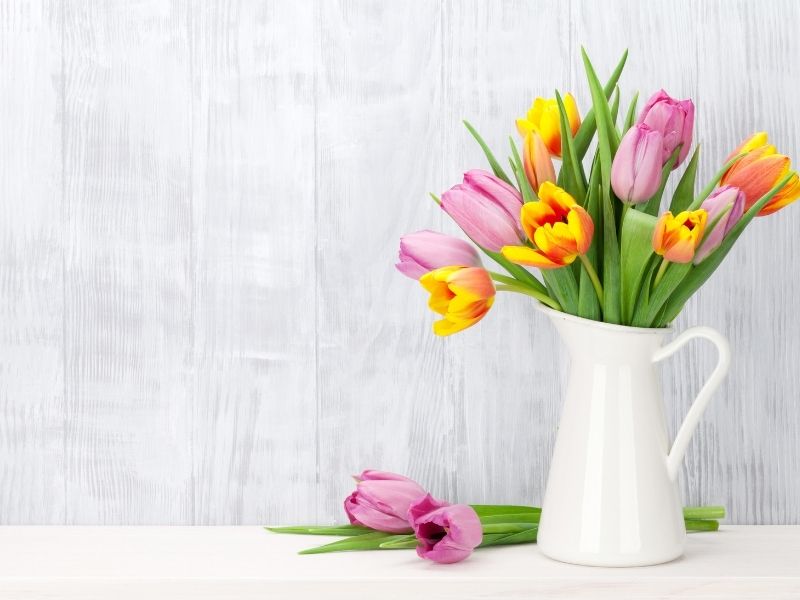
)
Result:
{"points": [[446, 533], [381, 501], [636, 170], [674, 119], [487, 209], [425, 251], [720, 200]]}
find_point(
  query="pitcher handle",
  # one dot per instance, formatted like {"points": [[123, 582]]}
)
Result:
{"points": [[690, 422]]}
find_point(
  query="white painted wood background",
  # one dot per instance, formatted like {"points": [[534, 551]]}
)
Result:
{"points": [[199, 211]]}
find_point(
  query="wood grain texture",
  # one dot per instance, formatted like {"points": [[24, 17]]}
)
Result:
{"points": [[199, 317], [127, 279], [254, 392], [31, 303]]}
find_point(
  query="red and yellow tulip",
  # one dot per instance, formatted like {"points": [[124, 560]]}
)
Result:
{"points": [[560, 229], [758, 171], [536, 161], [544, 118], [676, 237], [462, 295]]}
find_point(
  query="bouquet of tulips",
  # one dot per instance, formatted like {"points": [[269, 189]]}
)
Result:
{"points": [[388, 511], [606, 244]]}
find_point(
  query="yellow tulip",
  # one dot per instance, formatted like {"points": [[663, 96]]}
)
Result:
{"points": [[558, 226], [543, 117], [462, 295], [536, 161], [676, 237]]}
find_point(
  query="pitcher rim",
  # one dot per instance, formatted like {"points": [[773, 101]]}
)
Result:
{"points": [[601, 324]]}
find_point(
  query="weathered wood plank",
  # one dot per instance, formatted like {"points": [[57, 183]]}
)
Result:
{"points": [[128, 292], [31, 304], [254, 389]]}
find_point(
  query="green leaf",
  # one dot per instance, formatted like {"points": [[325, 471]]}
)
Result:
{"points": [[406, 542], [518, 272], [528, 194], [684, 192], [367, 541], [607, 134], [583, 138], [501, 539], [611, 265], [652, 206], [615, 106], [700, 273], [588, 305], [498, 170], [485, 510], [321, 529], [526, 517], [508, 527], [674, 274], [561, 282], [575, 184], [636, 249], [631, 116]]}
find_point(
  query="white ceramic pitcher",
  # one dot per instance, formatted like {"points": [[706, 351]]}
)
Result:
{"points": [[612, 498]]}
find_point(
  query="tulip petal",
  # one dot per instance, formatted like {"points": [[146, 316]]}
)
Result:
{"points": [[522, 255]]}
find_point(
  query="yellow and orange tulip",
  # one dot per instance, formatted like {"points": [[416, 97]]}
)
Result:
{"points": [[543, 117], [536, 161], [462, 295], [676, 237], [560, 229], [758, 171]]}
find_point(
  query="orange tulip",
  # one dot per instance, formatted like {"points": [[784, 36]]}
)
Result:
{"points": [[544, 118], [558, 226], [536, 161], [676, 238], [758, 171], [463, 295]]}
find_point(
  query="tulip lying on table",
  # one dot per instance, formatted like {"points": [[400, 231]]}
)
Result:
{"points": [[392, 512]]}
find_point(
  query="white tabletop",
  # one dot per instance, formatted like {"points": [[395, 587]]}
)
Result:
{"points": [[249, 562]]}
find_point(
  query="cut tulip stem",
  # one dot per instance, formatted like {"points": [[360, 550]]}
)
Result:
{"points": [[509, 284], [598, 287], [660, 274]]}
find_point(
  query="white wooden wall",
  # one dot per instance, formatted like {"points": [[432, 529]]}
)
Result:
{"points": [[199, 211]]}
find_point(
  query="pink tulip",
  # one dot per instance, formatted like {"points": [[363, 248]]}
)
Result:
{"points": [[487, 209], [674, 119], [720, 200], [381, 501], [446, 533], [636, 170], [426, 251]]}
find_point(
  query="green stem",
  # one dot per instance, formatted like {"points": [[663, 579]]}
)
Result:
{"points": [[598, 288], [704, 512], [661, 270], [509, 284], [701, 525]]}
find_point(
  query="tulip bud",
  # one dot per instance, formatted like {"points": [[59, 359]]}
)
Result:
{"points": [[486, 208], [674, 120], [726, 198], [425, 251], [381, 501], [636, 170], [536, 161], [544, 117], [676, 237], [446, 533]]}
